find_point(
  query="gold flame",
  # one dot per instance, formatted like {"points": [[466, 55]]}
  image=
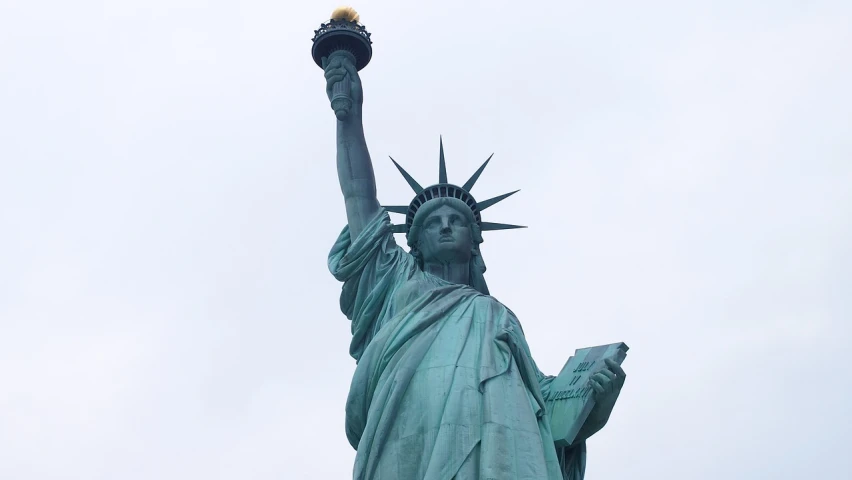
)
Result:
{"points": [[345, 13]]}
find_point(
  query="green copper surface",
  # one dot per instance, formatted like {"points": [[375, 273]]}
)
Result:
{"points": [[445, 385]]}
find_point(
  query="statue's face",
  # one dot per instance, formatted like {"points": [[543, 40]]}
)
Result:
{"points": [[445, 237]]}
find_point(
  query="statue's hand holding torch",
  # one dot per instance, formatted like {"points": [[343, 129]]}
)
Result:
{"points": [[343, 85], [341, 48]]}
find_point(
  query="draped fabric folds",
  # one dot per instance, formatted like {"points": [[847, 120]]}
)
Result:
{"points": [[445, 387]]}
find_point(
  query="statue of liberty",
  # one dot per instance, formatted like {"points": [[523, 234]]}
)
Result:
{"points": [[445, 386]]}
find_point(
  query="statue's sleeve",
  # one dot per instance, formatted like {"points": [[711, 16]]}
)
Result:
{"points": [[371, 268]]}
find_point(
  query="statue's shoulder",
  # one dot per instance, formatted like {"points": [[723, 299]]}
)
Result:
{"points": [[410, 285], [493, 306], [486, 300]]}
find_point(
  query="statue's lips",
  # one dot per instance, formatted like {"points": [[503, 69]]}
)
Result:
{"points": [[446, 238]]}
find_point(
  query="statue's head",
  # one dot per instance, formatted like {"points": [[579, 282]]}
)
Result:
{"points": [[443, 222], [445, 230]]}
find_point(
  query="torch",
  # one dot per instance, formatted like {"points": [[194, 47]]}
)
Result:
{"points": [[342, 36]]}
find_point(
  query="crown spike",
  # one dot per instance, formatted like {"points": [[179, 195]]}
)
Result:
{"points": [[488, 226], [442, 167], [469, 184], [491, 201], [408, 178]]}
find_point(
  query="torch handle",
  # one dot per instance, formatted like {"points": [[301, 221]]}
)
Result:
{"points": [[341, 99]]}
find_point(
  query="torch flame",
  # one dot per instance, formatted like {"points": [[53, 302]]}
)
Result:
{"points": [[345, 13]]}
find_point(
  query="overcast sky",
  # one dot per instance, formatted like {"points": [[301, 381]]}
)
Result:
{"points": [[168, 197]]}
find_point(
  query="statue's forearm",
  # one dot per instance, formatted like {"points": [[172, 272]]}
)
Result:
{"points": [[597, 419], [588, 429], [355, 172]]}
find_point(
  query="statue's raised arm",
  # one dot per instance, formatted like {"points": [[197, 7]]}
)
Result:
{"points": [[354, 168]]}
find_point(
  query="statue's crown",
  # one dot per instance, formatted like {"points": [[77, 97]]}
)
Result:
{"points": [[444, 189]]}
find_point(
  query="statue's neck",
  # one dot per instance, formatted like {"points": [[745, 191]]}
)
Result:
{"points": [[451, 272]]}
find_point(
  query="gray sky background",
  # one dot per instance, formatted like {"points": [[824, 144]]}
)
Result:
{"points": [[168, 196]]}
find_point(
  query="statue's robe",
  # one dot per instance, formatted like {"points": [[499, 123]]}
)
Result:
{"points": [[445, 386]]}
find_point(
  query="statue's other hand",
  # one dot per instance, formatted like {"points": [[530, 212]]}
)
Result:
{"points": [[338, 68], [607, 384]]}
